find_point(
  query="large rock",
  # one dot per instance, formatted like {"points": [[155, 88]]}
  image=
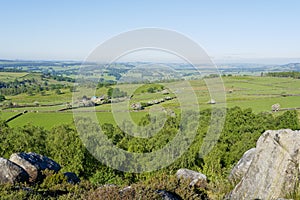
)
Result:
{"points": [[11, 173], [240, 169], [196, 178], [34, 164], [274, 170]]}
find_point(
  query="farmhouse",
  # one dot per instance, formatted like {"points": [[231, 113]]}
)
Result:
{"points": [[212, 101], [165, 91], [137, 106], [275, 107], [86, 102], [98, 100]]}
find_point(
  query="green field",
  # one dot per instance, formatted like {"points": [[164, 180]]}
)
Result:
{"points": [[49, 120], [260, 93], [11, 76], [48, 98], [46, 120], [7, 115], [257, 93]]}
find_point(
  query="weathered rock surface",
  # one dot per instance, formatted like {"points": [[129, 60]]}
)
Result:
{"points": [[34, 164], [11, 173], [196, 178], [273, 172], [241, 168], [127, 192], [72, 177]]}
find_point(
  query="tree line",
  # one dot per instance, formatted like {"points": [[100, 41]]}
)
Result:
{"points": [[32, 86], [292, 74]]}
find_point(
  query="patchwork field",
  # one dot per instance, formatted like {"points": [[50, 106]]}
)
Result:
{"points": [[257, 93], [11, 76]]}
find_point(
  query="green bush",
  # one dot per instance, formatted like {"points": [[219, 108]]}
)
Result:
{"points": [[241, 130]]}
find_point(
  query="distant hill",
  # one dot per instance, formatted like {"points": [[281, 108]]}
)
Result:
{"points": [[288, 67], [245, 68], [117, 70]]}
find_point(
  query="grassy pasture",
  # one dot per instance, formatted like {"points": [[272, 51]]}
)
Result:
{"points": [[48, 98], [258, 93], [11, 76], [46, 120], [7, 115], [37, 109], [49, 120]]}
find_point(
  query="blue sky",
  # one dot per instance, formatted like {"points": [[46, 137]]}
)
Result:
{"points": [[227, 30]]}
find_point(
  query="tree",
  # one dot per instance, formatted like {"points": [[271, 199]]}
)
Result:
{"points": [[116, 93], [65, 147], [72, 89], [151, 90], [43, 93], [26, 139], [58, 91], [7, 104], [2, 98], [289, 120], [108, 129], [30, 92]]}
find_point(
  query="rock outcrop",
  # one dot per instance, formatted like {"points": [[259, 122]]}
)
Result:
{"points": [[274, 170], [196, 178], [11, 173], [34, 164], [240, 169]]}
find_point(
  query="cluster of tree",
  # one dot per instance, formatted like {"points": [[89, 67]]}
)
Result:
{"points": [[241, 130], [212, 76], [116, 72], [17, 69], [58, 77], [154, 89], [2, 98], [293, 74], [17, 87], [116, 93], [105, 83], [30, 86]]}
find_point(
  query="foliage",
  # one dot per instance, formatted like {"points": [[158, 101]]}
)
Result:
{"points": [[33, 84], [58, 91], [52, 179], [28, 138], [106, 175], [62, 143], [289, 120], [150, 189], [115, 93], [65, 147], [292, 74], [2, 98]]}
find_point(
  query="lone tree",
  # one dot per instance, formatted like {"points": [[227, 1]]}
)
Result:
{"points": [[58, 91], [2, 97]]}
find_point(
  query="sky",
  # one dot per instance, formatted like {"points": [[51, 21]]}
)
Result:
{"points": [[260, 31]]}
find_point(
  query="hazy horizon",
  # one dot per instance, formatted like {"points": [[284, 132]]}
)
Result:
{"points": [[262, 61]]}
